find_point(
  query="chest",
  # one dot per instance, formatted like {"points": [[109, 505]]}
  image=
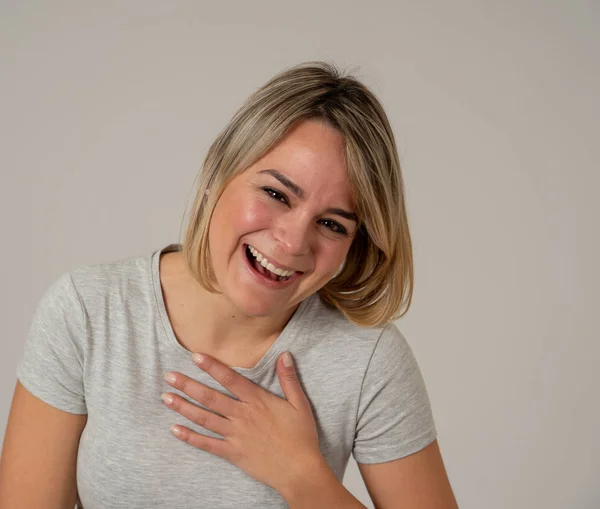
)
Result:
{"points": [[240, 355], [128, 457]]}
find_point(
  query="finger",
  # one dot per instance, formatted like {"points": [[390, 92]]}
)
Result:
{"points": [[235, 383], [197, 415], [288, 379], [216, 446], [210, 398]]}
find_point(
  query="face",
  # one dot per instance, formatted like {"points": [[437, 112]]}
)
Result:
{"points": [[292, 207]]}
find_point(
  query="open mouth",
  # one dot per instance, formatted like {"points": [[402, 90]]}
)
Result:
{"points": [[264, 271]]}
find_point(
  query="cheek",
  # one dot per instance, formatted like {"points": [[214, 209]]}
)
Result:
{"points": [[251, 214], [332, 256], [241, 216]]}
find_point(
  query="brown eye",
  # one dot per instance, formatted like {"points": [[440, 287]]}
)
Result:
{"points": [[275, 195], [335, 226]]}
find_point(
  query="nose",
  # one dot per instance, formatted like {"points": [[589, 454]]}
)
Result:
{"points": [[293, 235]]}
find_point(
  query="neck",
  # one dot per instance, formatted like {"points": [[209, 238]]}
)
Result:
{"points": [[209, 321]]}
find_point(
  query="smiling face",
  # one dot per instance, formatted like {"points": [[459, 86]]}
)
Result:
{"points": [[294, 207]]}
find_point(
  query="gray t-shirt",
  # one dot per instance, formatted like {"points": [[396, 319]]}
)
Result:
{"points": [[100, 343]]}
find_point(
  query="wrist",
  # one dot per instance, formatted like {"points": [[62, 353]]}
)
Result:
{"points": [[310, 478]]}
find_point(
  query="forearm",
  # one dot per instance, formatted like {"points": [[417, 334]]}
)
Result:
{"points": [[319, 488]]}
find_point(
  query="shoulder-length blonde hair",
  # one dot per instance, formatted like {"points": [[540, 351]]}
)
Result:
{"points": [[376, 280]]}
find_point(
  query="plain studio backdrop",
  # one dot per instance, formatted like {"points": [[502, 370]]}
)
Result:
{"points": [[107, 109]]}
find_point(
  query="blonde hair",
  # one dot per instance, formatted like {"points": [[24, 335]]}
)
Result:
{"points": [[376, 280]]}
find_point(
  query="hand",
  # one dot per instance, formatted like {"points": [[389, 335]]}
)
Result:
{"points": [[274, 440]]}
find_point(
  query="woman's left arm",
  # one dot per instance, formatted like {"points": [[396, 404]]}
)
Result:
{"points": [[275, 441], [417, 481]]}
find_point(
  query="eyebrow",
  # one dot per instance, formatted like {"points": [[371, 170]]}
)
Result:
{"points": [[299, 192]]}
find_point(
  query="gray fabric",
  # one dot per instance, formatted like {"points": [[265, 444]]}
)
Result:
{"points": [[100, 342]]}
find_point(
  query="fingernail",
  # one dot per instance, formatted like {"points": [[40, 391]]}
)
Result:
{"points": [[198, 358], [287, 360], [170, 377], [167, 398]]}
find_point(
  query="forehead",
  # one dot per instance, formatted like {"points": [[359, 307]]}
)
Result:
{"points": [[312, 155]]}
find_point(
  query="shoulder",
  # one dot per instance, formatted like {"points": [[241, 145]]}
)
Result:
{"points": [[331, 327], [95, 282], [382, 345]]}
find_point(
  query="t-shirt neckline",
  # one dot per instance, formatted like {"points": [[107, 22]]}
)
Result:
{"points": [[290, 331]]}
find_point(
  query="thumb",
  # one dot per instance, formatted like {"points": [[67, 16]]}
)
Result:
{"points": [[288, 378]]}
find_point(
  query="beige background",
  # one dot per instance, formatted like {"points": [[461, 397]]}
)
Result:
{"points": [[107, 109]]}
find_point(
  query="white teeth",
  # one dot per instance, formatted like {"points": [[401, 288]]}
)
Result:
{"points": [[268, 265]]}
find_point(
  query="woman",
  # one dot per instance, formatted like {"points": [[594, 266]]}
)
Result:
{"points": [[297, 242]]}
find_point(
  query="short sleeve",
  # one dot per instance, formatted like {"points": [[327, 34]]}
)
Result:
{"points": [[394, 415], [51, 366]]}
